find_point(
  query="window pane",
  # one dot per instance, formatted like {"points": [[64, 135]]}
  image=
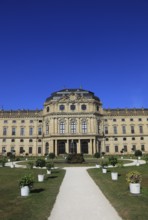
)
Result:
{"points": [[123, 129], [116, 148], [115, 129], [62, 128], [84, 127], [73, 127]]}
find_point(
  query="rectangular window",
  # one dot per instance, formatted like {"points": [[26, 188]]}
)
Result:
{"points": [[140, 129], [84, 127], [21, 150], [106, 130], [30, 150], [3, 150], [116, 149], [5, 121], [12, 150], [30, 131], [14, 121], [124, 129], [39, 131], [47, 129], [115, 129], [31, 121], [133, 147], [13, 131], [73, 127], [142, 147], [39, 150], [132, 129], [107, 149], [125, 148], [62, 127], [4, 131], [22, 132]]}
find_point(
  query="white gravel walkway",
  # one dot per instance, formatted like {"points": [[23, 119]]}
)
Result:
{"points": [[81, 199]]}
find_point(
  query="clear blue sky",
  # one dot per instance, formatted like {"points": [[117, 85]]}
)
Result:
{"points": [[48, 45]]}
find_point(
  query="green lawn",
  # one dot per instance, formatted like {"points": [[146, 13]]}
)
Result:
{"points": [[40, 201], [129, 206]]}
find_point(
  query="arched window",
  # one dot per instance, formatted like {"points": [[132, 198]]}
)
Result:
{"points": [[84, 127], [47, 109]]}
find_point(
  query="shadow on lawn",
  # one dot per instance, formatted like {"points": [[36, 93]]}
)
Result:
{"points": [[37, 190], [55, 171], [51, 177]]}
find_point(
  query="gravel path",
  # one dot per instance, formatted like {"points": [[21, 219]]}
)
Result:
{"points": [[81, 199]]}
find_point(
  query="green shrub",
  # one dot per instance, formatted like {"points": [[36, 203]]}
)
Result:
{"points": [[104, 162], [10, 155], [138, 153], [17, 159], [2, 162], [113, 160], [48, 166], [40, 163], [97, 155], [133, 177], [26, 180], [75, 158], [30, 165], [51, 155]]}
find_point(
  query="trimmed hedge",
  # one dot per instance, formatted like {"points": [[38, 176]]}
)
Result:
{"points": [[75, 158]]}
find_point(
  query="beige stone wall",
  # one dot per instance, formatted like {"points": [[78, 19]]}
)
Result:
{"points": [[96, 119], [138, 139]]}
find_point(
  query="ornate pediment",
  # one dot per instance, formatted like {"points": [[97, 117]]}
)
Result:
{"points": [[72, 97]]}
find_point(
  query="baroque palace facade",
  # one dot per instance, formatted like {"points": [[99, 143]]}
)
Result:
{"points": [[73, 120]]}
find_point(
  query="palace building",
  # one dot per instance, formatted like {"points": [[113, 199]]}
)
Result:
{"points": [[73, 121]]}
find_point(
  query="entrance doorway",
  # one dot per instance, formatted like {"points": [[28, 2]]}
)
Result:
{"points": [[73, 147], [84, 147], [61, 147]]}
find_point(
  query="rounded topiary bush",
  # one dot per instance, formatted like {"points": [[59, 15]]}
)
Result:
{"points": [[113, 160], [75, 158], [97, 155], [138, 153], [51, 155], [40, 163]]}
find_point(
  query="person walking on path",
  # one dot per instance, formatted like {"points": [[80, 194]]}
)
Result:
{"points": [[81, 199]]}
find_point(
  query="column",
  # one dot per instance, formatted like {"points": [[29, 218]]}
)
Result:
{"points": [[56, 150], [90, 147], [51, 146], [78, 147], [95, 146], [67, 146]]}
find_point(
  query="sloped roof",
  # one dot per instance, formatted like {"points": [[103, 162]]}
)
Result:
{"points": [[59, 94]]}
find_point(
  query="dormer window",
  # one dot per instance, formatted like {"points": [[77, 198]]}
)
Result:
{"points": [[47, 109], [83, 107], [61, 107], [72, 107]]}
